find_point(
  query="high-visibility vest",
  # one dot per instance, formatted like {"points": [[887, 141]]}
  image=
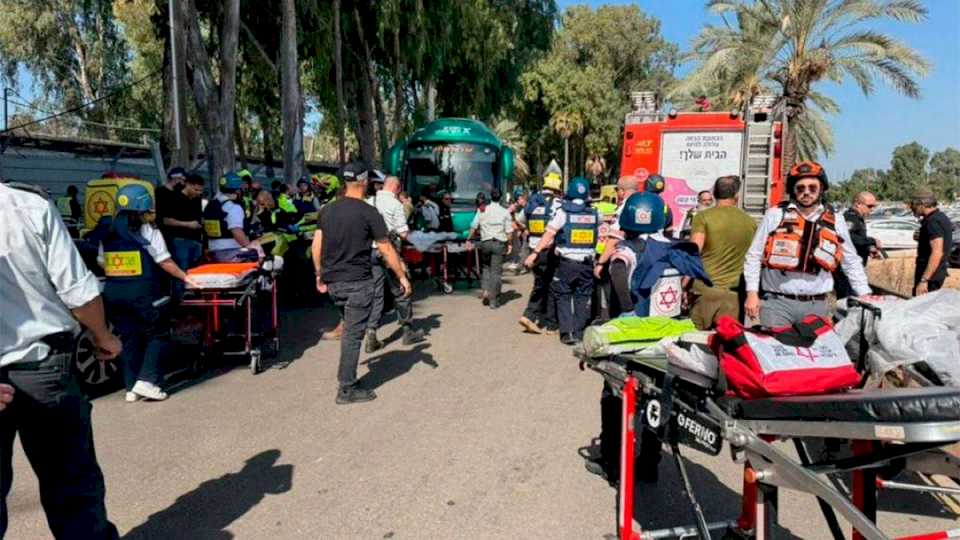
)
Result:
{"points": [[801, 245]]}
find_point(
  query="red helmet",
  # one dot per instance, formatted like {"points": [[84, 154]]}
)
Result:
{"points": [[807, 169]]}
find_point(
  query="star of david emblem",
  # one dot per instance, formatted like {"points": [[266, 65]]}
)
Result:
{"points": [[668, 298], [807, 353], [116, 261], [101, 204]]}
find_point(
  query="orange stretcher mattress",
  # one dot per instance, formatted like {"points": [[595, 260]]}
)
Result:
{"points": [[222, 275]]}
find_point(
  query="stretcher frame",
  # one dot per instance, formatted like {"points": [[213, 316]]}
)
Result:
{"points": [[471, 271], [218, 300], [766, 468]]}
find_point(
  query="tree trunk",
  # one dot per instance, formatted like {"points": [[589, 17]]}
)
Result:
{"points": [[338, 62], [229, 41], [789, 157], [365, 121], [293, 165], [173, 154], [566, 156], [238, 140], [397, 87], [372, 81], [214, 106], [431, 97]]}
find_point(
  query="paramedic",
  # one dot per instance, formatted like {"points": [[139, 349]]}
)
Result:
{"points": [[133, 254], [223, 221], [723, 234], [341, 258], [641, 218], [495, 226], [573, 227], [935, 241], [540, 316], [391, 209], [788, 268], [657, 184], [626, 186], [47, 290]]}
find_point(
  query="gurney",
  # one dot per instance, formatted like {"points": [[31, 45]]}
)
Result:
{"points": [[224, 289], [687, 408], [446, 250]]}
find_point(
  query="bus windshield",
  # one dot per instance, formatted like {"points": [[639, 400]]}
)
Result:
{"points": [[461, 169]]}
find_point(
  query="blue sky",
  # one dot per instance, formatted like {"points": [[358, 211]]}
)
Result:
{"points": [[868, 128]]}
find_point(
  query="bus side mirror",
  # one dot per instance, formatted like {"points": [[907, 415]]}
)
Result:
{"points": [[506, 164], [393, 161]]}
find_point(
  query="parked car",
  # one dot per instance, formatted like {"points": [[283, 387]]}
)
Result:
{"points": [[893, 233], [954, 258]]}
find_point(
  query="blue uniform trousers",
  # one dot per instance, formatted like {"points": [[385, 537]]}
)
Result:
{"points": [[572, 287], [139, 324]]}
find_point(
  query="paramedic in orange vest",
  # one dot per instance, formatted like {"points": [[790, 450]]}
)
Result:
{"points": [[788, 269]]}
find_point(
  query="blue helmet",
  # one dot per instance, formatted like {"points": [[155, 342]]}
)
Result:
{"points": [[578, 188], [655, 184], [643, 213], [231, 181], [134, 198]]}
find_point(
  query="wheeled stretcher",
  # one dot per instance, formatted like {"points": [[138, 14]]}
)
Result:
{"points": [[230, 289], [685, 408]]}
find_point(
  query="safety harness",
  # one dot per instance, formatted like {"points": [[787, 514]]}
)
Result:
{"points": [[801, 245]]}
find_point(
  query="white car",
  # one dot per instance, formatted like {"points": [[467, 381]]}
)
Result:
{"points": [[893, 233]]}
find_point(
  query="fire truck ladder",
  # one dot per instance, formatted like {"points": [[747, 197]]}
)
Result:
{"points": [[757, 168]]}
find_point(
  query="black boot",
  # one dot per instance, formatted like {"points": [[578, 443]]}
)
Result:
{"points": [[568, 339], [411, 336], [354, 394], [371, 343]]}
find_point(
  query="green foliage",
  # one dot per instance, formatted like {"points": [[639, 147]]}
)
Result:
{"points": [[598, 57], [789, 46], [911, 166]]}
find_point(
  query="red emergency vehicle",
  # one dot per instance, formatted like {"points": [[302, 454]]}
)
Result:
{"points": [[692, 149]]}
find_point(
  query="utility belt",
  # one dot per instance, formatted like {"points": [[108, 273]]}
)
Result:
{"points": [[798, 297], [61, 352]]}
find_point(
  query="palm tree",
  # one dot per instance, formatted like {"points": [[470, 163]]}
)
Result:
{"points": [[788, 46], [566, 123], [509, 134]]}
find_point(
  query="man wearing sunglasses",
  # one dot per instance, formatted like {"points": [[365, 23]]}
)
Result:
{"points": [[798, 245], [863, 205]]}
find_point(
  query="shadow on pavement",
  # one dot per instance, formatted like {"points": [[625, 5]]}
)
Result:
{"points": [[663, 505], [428, 324], [390, 365], [509, 296], [301, 329], [205, 512]]}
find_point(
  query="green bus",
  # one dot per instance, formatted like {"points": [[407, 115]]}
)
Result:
{"points": [[458, 156]]}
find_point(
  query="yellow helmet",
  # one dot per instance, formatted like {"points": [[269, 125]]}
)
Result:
{"points": [[552, 181]]}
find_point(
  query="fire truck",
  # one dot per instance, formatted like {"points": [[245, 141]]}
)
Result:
{"points": [[692, 149]]}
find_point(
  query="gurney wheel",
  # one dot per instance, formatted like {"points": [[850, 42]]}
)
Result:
{"points": [[733, 533], [256, 364]]}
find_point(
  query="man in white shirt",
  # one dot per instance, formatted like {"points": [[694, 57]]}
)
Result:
{"points": [[495, 225], [788, 268], [47, 294], [391, 209], [223, 221]]}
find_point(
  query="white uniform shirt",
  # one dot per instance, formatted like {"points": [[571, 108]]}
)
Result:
{"points": [[392, 211], [42, 276], [615, 226], [156, 247], [556, 225], [234, 221], [799, 282], [494, 223]]}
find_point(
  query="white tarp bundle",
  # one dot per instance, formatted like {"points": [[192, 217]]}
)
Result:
{"points": [[922, 329]]}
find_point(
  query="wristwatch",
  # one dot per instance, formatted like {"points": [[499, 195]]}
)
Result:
{"points": [[924, 280]]}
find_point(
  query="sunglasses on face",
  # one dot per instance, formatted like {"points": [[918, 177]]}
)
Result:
{"points": [[808, 188]]}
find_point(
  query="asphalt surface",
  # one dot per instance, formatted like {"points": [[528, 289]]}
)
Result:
{"points": [[476, 433]]}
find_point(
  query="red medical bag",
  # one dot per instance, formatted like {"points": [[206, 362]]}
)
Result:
{"points": [[804, 359]]}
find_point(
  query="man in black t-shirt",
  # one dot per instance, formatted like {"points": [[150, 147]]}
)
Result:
{"points": [[183, 223], [934, 242], [166, 197], [341, 254]]}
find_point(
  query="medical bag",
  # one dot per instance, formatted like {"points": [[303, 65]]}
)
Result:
{"points": [[806, 358]]}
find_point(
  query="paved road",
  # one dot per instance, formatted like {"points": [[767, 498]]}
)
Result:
{"points": [[475, 434]]}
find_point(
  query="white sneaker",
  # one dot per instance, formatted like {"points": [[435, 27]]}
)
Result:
{"points": [[149, 391], [131, 397]]}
